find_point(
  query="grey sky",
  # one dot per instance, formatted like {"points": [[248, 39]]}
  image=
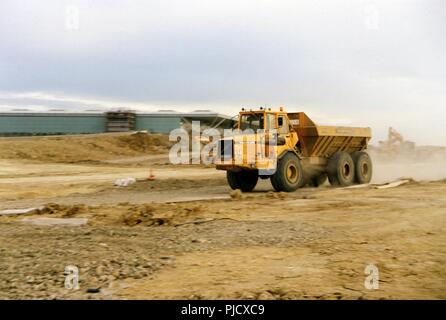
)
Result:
{"points": [[375, 63]]}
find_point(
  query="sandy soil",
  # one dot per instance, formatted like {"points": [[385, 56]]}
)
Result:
{"points": [[184, 236]]}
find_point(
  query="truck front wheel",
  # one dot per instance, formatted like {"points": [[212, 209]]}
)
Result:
{"points": [[289, 174], [341, 169], [244, 180]]}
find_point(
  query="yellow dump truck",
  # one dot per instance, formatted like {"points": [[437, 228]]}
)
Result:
{"points": [[292, 151]]}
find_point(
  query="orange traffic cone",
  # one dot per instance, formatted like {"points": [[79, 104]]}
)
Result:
{"points": [[151, 176]]}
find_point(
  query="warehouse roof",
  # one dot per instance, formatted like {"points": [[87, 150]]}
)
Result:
{"points": [[159, 113], [193, 114]]}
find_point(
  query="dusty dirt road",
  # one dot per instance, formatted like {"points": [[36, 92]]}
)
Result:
{"points": [[184, 236]]}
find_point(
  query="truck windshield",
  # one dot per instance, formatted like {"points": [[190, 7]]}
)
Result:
{"points": [[252, 121]]}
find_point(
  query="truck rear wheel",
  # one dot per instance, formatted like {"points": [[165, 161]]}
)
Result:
{"points": [[363, 167], [289, 174], [244, 180], [341, 169]]}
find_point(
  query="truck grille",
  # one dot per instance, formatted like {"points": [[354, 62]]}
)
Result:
{"points": [[225, 149]]}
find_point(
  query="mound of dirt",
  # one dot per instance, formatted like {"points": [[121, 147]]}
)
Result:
{"points": [[62, 210], [83, 148], [143, 215], [143, 142], [151, 215]]}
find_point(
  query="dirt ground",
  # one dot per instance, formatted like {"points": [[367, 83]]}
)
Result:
{"points": [[185, 235]]}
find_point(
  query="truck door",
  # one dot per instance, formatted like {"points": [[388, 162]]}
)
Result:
{"points": [[285, 131], [283, 127]]}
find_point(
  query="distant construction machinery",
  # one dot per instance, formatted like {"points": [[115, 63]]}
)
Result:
{"points": [[395, 144]]}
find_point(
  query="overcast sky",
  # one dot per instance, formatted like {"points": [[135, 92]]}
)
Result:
{"points": [[373, 63]]}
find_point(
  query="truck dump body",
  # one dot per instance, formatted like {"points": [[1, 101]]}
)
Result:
{"points": [[324, 141]]}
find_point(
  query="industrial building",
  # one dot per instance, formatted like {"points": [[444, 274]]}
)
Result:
{"points": [[25, 122]]}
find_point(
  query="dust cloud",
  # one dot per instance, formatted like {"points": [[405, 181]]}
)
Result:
{"points": [[425, 164]]}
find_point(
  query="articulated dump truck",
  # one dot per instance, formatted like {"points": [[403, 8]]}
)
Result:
{"points": [[292, 151]]}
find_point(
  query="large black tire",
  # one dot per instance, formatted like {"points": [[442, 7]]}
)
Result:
{"points": [[341, 169], [318, 180], [244, 180], [289, 175], [363, 167]]}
